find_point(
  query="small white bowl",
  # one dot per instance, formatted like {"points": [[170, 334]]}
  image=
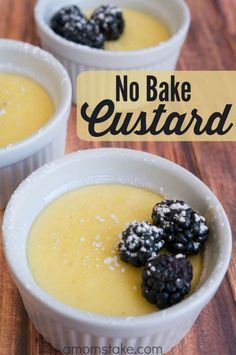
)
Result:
{"points": [[77, 58], [20, 159], [62, 325]]}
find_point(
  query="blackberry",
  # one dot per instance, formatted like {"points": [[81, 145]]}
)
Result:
{"points": [[110, 20], [72, 25], [166, 280], [185, 231], [139, 242], [63, 16], [86, 33]]}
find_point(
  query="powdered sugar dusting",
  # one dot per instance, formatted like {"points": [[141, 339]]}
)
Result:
{"points": [[2, 112]]}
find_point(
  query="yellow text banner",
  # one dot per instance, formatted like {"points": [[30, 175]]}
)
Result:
{"points": [[156, 106]]}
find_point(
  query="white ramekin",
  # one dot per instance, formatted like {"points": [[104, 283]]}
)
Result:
{"points": [[62, 325], [20, 159], [77, 58]]}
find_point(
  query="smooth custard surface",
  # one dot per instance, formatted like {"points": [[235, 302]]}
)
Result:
{"points": [[72, 249], [25, 107]]}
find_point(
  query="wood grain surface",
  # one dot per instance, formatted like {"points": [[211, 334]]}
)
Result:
{"points": [[211, 45]]}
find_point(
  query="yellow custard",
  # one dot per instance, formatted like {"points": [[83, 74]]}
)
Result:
{"points": [[72, 249], [25, 107], [141, 31]]}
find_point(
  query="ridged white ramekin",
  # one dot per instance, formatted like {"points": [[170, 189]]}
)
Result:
{"points": [[64, 326], [20, 159], [77, 58]]}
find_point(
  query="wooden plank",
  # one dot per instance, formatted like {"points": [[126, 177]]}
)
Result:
{"points": [[216, 162], [13, 318], [211, 45]]}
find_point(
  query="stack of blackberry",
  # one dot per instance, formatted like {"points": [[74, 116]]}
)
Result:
{"points": [[106, 23], [166, 278]]}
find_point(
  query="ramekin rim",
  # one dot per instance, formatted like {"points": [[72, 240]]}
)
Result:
{"points": [[112, 54], [64, 105], [199, 297]]}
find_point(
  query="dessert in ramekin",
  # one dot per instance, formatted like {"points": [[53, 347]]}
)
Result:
{"points": [[77, 58], [66, 326], [32, 74]]}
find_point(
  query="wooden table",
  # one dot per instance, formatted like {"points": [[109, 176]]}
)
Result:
{"points": [[211, 45]]}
